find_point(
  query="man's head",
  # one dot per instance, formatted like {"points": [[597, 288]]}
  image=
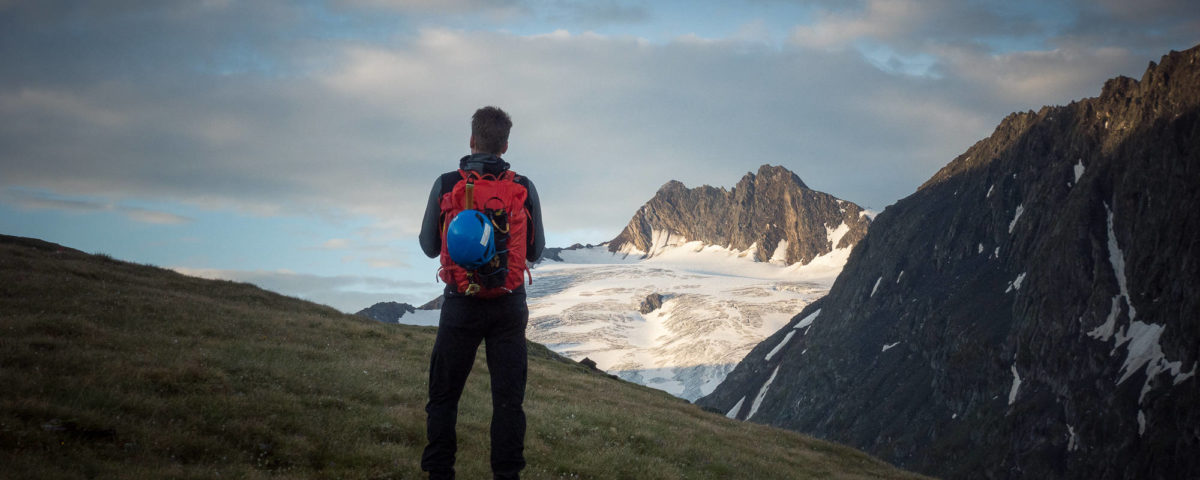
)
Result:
{"points": [[489, 131]]}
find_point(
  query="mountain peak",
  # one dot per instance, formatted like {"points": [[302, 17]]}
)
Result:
{"points": [[771, 213], [776, 173], [672, 186]]}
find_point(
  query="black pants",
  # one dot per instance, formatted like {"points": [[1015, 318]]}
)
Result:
{"points": [[466, 321]]}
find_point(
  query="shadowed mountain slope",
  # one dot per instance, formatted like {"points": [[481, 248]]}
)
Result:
{"points": [[1031, 311]]}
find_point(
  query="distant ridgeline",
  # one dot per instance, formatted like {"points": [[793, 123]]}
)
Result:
{"points": [[1031, 311], [386, 312], [772, 213], [392, 312]]}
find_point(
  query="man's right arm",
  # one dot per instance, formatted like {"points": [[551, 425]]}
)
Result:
{"points": [[431, 235]]}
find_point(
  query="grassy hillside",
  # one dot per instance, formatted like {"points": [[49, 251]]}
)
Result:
{"points": [[115, 370]]}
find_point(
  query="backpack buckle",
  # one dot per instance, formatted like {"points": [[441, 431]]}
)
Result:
{"points": [[472, 289]]}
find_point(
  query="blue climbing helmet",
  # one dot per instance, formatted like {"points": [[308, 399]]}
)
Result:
{"points": [[469, 239]]}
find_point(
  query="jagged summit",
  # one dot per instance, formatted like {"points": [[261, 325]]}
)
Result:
{"points": [[1124, 106], [1029, 312], [771, 213]]}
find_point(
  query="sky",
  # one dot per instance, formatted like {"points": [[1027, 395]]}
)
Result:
{"points": [[293, 144]]}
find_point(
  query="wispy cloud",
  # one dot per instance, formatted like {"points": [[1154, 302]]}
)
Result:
{"points": [[336, 244], [347, 293], [48, 201]]}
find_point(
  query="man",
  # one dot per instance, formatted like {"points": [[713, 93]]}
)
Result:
{"points": [[467, 319]]}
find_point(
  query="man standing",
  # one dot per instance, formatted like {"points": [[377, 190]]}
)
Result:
{"points": [[496, 315]]}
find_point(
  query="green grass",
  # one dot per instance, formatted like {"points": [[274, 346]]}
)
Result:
{"points": [[115, 370]]}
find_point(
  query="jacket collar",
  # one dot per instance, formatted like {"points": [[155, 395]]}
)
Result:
{"points": [[483, 163]]}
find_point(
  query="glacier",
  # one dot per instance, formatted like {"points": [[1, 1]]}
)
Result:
{"points": [[717, 305]]}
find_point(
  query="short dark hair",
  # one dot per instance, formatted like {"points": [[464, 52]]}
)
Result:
{"points": [[490, 126]]}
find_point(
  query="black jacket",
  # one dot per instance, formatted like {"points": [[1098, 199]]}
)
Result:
{"points": [[431, 233]]}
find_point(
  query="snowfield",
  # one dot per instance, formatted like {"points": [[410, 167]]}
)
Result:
{"points": [[717, 304]]}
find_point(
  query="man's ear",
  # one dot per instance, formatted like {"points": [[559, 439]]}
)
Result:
{"points": [[472, 143], [505, 149]]}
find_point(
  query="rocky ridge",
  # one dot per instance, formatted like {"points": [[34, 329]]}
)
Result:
{"points": [[771, 213], [386, 312], [1029, 312]]}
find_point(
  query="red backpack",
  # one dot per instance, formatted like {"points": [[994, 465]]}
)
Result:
{"points": [[502, 200]]}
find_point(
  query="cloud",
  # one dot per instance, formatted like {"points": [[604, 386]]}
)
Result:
{"points": [[630, 113], [1051, 77], [336, 244], [152, 216], [593, 13], [279, 109], [373, 247], [347, 293], [386, 263], [588, 14], [490, 7], [1143, 13], [33, 200], [910, 24], [1145, 28]]}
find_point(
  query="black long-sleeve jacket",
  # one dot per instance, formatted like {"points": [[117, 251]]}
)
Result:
{"points": [[431, 233]]}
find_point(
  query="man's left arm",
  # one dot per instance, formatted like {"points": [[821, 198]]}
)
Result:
{"points": [[537, 237]]}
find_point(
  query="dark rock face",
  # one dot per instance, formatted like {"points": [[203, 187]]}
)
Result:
{"points": [[1031, 311], [589, 363], [553, 253], [386, 312], [435, 304], [762, 210], [652, 302]]}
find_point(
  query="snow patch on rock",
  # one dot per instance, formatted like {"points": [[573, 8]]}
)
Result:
{"points": [[808, 320], [1144, 348], [1016, 283], [737, 408], [1016, 385], [1016, 216], [762, 393], [780, 255], [781, 344]]}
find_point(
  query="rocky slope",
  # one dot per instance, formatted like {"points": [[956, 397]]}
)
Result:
{"points": [[771, 213], [1031, 311]]}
